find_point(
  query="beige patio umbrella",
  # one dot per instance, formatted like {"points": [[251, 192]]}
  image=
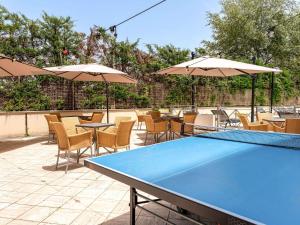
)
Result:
{"points": [[93, 72], [11, 68], [218, 67]]}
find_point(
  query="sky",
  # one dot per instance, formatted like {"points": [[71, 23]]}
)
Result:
{"points": [[182, 23]]}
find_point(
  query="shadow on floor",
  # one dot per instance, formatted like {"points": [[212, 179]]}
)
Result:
{"points": [[62, 162], [10, 145], [150, 139], [62, 166]]}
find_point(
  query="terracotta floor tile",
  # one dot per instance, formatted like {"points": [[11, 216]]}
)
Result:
{"points": [[37, 213], [33, 199], [22, 222], [105, 206], [78, 203], [90, 218], [13, 211], [63, 216], [54, 201], [4, 221]]}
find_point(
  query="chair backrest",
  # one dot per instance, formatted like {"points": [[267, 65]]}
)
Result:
{"points": [[244, 120], [56, 114], [154, 114], [292, 125], [97, 117], [124, 132], [260, 116], [149, 123], [175, 126], [61, 134], [119, 119], [221, 114], [70, 124], [190, 117], [51, 118]]}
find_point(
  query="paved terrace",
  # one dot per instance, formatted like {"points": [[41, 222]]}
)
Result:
{"points": [[32, 192]]}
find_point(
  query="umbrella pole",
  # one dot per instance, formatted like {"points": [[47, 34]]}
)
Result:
{"points": [[107, 99], [193, 92], [73, 95], [193, 85], [253, 97], [272, 92]]}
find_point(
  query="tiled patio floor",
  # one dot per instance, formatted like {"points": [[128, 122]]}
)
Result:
{"points": [[33, 192]]}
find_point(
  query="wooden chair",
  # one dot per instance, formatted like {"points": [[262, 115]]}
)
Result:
{"points": [[247, 125], [69, 143], [116, 139], [51, 118], [156, 128], [291, 126], [96, 118], [140, 117]]}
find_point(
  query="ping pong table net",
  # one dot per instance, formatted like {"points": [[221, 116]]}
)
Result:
{"points": [[282, 140]]}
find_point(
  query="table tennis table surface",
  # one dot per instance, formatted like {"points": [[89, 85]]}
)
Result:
{"points": [[258, 183]]}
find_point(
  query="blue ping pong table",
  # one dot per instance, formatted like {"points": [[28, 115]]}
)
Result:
{"points": [[251, 177]]}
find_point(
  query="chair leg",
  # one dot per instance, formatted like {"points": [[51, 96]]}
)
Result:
{"points": [[91, 147], [78, 151], [58, 152], [146, 138], [68, 161], [49, 138]]}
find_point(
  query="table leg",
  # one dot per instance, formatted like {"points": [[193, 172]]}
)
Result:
{"points": [[133, 201], [96, 152]]}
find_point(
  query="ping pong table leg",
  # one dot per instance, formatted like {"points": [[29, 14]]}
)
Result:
{"points": [[133, 200]]}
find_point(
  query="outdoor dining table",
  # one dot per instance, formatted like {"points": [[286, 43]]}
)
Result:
{"points": [[94, 126]]}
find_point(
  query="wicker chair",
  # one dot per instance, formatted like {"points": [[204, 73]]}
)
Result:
{"points": [[154, 114], [189, 118], [118, 120], [116, 139], [156, 128], [178, 128], [291, 126], [140, 117], [175, 129], [96, 118], [69, 143], [247, 125], [51, 118], [70, 125], [57, 114]]}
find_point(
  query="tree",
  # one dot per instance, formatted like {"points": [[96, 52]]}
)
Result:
{"points": [[61, 42], [265, 30]]}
